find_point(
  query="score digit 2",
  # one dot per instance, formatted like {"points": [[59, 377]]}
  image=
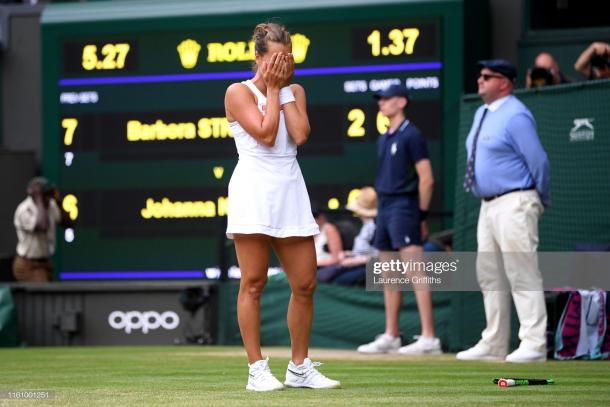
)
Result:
{"points": [[357, 119]]}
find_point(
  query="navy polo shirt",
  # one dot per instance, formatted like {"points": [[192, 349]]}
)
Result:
{"points": [[397, 154]]}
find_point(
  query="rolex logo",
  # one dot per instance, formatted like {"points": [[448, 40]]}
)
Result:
{"points": [[189, 52], [300, 43]]}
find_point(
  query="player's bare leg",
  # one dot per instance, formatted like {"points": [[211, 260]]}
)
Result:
{"points": [[298, 258], [253, 257]]}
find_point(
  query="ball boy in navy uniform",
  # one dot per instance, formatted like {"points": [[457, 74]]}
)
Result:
{"points": [[404, 186]]}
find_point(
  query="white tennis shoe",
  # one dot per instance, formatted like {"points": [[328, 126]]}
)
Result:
{"points": [[383, 343], [306, 375], [478, 352], [423, 345], [524, 355], [260, 377]]}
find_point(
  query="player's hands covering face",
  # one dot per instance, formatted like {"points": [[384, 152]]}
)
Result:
{"points": [[275, 70], [289, 69]]}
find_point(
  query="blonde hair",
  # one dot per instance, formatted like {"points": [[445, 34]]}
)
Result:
{"points": [[265, 32]]}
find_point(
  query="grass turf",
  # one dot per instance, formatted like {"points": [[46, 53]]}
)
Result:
{"points": [[196, 376]]}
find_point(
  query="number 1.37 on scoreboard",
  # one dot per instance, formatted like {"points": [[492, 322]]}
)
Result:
{"points": [[402, 41]]}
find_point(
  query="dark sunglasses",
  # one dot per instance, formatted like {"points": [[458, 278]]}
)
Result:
{"points": [[487, 76]]}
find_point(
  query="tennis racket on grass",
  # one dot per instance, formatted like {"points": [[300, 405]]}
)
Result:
{"points": [[513, 381]]}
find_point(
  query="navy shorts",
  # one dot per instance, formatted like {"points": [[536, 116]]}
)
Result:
{"points": [[398, 223]]}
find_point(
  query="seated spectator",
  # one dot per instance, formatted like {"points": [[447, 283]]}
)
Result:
{"points": [[545, 72], [439, 242], [328, 241], [594, 62], [351, 268]]}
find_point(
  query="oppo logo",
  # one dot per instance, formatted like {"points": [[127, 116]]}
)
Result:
{"points": [[146, 321]]}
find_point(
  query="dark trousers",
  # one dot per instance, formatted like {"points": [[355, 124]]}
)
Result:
{"points": [[32, 271]]}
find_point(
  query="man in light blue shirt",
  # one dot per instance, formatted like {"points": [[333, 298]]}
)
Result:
{"points": [[509, 154], [508, 170]]}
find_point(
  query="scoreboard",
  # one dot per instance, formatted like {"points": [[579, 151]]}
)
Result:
{"points": [[135, 133]]}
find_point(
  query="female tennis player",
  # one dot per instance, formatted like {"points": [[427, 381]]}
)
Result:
{"points": [[269, 206]]}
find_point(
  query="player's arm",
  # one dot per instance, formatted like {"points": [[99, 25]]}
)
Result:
{"points": [[240, 105], [295, 114]]}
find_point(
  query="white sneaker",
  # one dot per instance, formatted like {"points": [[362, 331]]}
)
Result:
{"points": [[382, 344], [422, 346], [477, 353], [260, 377], [524, 355], [306, 375]]}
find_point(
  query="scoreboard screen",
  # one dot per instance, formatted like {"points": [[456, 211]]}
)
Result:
{"points": [[136, 138]]}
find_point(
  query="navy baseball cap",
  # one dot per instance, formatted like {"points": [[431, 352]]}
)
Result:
{"points": [[501, 66], [393, 90]]}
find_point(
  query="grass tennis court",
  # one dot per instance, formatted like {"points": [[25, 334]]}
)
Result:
{"points": [[196, 376]]}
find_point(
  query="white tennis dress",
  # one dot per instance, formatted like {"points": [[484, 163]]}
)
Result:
{"points": [[267, 193]]}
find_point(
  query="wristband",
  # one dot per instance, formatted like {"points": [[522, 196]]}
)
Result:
{"points": [[423, 215], [286, 95]]}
